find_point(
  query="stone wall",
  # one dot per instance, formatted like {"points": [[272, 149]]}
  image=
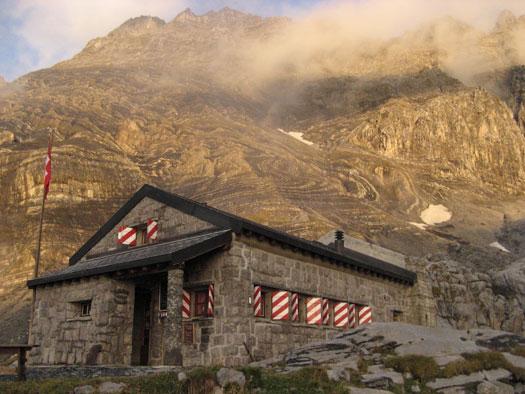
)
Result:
{"points": [[233, 334], [172, 223], [66, 338]]}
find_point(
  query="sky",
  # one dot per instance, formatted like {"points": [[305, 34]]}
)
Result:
{"points": [[35, 34], [39, 33]]}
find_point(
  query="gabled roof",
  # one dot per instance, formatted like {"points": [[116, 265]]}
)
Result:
{"points": [[173, 251], [239, 225]]}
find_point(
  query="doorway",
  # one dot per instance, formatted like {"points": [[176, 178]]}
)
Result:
{"points": [[141, 327]]}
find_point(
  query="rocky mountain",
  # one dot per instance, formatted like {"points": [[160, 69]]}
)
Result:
{"points": [[404, 142]]}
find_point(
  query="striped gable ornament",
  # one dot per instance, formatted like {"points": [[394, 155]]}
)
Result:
{"points": [[127, 236], [341, 314], [186, 302], [152, 230], [326, 311], [313, 310], [211, 295], [365, 314], [280, 305], [295, 307], [351, 316], [257, 301]]}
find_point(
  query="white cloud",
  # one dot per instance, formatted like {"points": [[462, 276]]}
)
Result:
{"points": [[57, 29]]}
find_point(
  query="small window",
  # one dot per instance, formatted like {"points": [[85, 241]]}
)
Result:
{"points": [[141, 235], [201, 303], [163, 294], [397, 316], [85, 308]]}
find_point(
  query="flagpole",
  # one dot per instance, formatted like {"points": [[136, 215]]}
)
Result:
{"points": [[38, 245], [42, 208]]}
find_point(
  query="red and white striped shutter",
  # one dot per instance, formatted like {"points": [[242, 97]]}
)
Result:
{"points": [[341, 314], [280, 305], [186, 302], [351, 316], [326, 311], [313, 310], [127, 236], [152, 231], [295, 307], [211, 299], [257, 302], [365, 314]]}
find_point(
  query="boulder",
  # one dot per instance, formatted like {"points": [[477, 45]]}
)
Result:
{"points": [[360, 390], [86, 389], [456, 381], [111, 388], [382, 378], [515, 361], [494, 388], [337, 374], [496, 374], [227, 376]]}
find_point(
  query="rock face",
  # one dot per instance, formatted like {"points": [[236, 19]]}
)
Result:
{"points": [[468, 298], [189, 105], [377, 344]]}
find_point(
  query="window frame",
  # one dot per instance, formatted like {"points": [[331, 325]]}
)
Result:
{"points": [[195, 313]]}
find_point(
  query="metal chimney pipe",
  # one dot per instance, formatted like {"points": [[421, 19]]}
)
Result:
{"points": [[339, 241]]}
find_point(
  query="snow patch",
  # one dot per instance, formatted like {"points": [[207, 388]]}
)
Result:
{"points": [[499, 246], [421, 226], [435, 214], [297, 135]]}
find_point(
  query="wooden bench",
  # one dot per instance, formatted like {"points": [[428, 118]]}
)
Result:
{"points": [[21, 349]]}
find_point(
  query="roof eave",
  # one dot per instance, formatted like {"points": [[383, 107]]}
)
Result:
{"points": [[185, 254]]}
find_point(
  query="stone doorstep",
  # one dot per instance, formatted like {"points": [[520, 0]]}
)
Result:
{"points": [[462, 380]]}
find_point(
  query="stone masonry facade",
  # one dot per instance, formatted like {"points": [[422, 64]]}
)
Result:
{"points": [[65, 337], [232, 336]]}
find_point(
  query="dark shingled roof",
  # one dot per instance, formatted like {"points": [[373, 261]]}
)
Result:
{"points": [[172, 251], [221, 219]]}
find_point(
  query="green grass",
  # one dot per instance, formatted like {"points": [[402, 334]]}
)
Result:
{"points": [[425, 369], [422, 368], [200, 381], [306, 380], [475, 362], [518, 350], [162, 383]]}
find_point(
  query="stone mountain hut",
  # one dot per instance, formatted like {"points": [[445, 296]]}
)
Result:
{"points": [[170, 281]]}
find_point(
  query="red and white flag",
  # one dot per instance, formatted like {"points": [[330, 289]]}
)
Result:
{"points": [[47, 170]]}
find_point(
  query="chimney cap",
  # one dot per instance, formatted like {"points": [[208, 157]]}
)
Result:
{"points": [[339, 234]]}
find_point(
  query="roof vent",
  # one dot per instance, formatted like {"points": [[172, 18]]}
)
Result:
{"points": [[339, 240]]}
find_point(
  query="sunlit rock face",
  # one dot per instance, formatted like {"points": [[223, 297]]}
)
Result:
{"points": [[217, 108]]}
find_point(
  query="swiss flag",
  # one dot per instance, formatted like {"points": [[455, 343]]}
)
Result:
{"points": [[47, 171]]}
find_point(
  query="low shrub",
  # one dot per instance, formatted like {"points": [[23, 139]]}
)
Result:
{"points": [[422, 368], [518, 350], [474, 362], [306, 380]]}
